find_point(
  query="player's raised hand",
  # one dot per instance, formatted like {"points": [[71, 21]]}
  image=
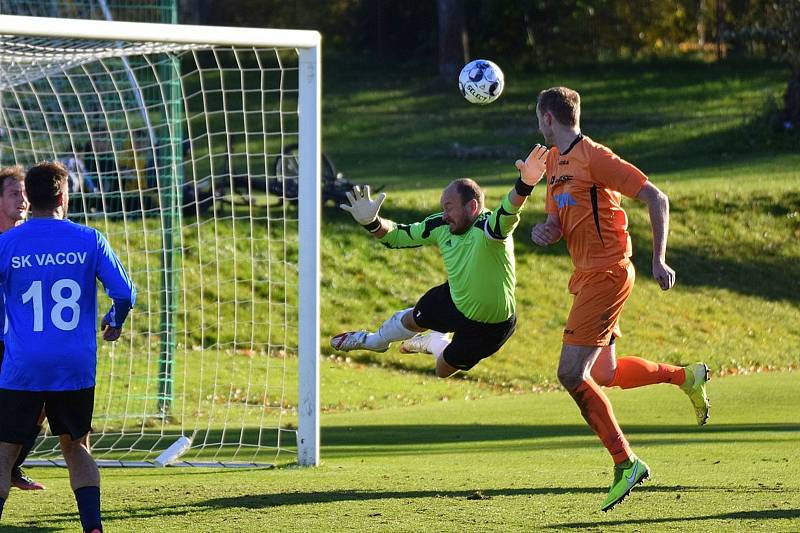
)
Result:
{"points": [[363, 208], [110, 333], [532, 169], [664, 275]]}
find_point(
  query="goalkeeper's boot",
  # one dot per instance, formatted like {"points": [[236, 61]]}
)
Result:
{"points": [[697, 375], [419, 343], [20, 480], [626, 476], [353, 340]]}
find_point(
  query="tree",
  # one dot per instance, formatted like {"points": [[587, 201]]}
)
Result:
{"points": [[453, 39], [787, 15], [195, 11]]}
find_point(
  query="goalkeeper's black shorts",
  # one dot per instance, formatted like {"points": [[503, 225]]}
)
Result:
{"points": [[68, 413], [472, 340]]}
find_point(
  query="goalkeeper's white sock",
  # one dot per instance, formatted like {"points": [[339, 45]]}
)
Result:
{"points": [[390, 331], [439, 341]]}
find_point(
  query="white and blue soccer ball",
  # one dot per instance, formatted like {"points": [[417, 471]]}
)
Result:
{"points": [[481, 81]]}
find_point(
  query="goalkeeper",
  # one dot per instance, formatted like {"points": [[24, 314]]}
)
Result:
{"points": [[476, 303]]}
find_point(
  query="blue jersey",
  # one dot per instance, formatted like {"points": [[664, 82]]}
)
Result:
{"points": [[48, 271]]}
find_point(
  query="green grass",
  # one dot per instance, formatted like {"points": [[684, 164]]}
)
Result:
{"points": [[703, 133], [487, 450], [509, 463]]}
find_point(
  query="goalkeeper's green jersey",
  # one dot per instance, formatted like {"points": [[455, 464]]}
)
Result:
{"points": [[479, 262]]}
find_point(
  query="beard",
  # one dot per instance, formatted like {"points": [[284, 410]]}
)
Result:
{"points": [[460, 229]]}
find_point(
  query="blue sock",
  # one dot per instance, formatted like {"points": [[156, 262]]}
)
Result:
{"points": [[2, 503], [88, 499]]}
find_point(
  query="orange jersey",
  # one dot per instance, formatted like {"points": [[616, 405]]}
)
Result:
{"points": [[584, 187]]}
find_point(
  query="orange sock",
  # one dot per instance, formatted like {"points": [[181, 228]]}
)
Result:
{"points": [[635, 372], [596, 410]]}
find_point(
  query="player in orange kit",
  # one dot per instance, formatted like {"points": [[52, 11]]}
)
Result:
{"points": [[585, 183]]}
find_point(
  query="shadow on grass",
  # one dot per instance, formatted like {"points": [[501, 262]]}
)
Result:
{"points": [[752, 268], [632, 107], [279, 499], [33, 527], [767, 514], [413, 434], [264, 501], [770, 279], [754, 274]]}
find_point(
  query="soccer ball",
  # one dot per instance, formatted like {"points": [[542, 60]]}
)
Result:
{"points": [[481, 81]]}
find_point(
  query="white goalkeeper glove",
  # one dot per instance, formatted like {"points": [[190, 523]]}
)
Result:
{"points": [[532, 169], [363, 208]]}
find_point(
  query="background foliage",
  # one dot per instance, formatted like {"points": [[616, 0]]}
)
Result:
{"points": [[536, 32]]}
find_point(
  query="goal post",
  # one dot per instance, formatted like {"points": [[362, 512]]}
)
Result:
{"points": [[171, 133], [309, 258]]}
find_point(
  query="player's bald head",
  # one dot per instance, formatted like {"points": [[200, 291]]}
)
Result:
{"points": [[467, 189]]}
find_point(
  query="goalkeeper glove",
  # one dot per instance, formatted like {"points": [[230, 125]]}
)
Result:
{"points": [[363, 208], [110, 333], [532, 169]]}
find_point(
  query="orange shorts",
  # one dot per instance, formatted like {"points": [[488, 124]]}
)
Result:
{"points": [[599, 297]]}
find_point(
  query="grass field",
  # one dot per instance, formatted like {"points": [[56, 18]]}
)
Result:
{"points": [[506, 463], [702, 132], [500, 448]]}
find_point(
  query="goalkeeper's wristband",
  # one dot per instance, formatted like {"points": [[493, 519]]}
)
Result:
{"points": [[373, 226], [522, 188]]}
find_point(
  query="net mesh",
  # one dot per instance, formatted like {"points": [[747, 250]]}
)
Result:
{"points": [[164, 11], [172, 152]]}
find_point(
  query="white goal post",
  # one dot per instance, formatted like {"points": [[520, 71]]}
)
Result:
{"points": [[174, 136]]}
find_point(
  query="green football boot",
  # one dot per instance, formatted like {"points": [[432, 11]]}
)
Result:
{"points": [[626, 476], [697, 375]]}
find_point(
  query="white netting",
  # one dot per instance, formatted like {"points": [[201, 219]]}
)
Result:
{"points": [[172, 151]]}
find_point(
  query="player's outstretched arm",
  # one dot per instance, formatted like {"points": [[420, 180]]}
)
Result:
{"points": [[548, 232], [658, 206], [505, 219], [531, 172], [364, 210]]}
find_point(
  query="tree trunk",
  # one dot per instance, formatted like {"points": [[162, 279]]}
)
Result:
{"points": [[789, 17], [453, 40], [380, 25], [791, 102], [194, 12], [701, 26], [718, 10]]}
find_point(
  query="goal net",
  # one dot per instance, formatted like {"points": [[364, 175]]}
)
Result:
{"points": [[174, 137]]}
